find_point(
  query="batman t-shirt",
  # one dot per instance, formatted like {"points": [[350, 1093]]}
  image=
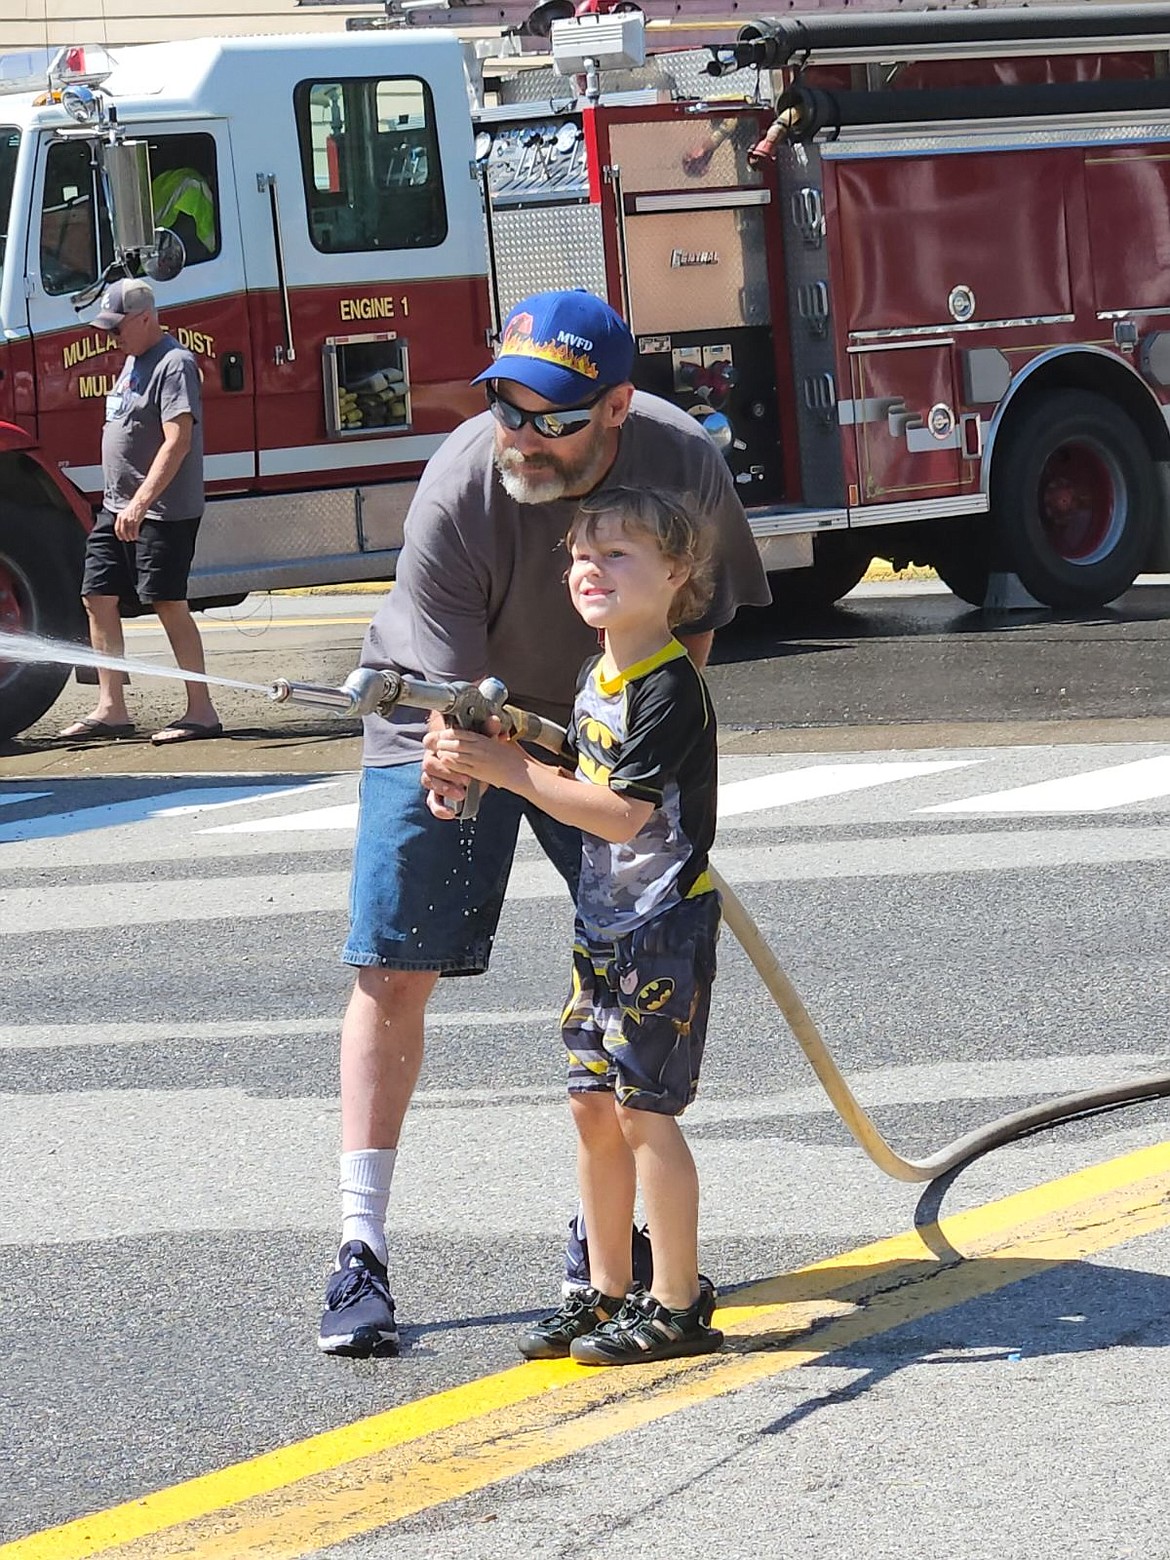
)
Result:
{"points": [[648, 733]]}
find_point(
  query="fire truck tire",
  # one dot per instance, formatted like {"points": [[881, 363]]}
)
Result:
{"points": [[1074, 500], [41, 554], [961, 558], [839, 563]]}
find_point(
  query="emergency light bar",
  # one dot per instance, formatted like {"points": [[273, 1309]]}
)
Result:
{"points": [[81, 65], [26, 71]]}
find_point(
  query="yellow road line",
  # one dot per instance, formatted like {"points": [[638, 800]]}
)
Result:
{"points": [[290, 1503], [255, 628]]}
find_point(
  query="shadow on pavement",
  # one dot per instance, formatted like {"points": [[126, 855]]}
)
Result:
{"points": [[1049, 1308]]}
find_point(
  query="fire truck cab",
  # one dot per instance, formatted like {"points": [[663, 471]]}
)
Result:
{"points": [[910, 271], [334, 295]]}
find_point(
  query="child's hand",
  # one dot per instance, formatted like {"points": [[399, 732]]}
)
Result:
{"points": [[492, 760]]}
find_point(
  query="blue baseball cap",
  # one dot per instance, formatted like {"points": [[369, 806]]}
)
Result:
{"points": [[564, 346]]}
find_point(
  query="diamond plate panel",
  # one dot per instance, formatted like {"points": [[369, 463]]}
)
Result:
{"points": [[547, 248], [706, 152], [243, 532], [716, 282], [687, 69], [543, 85], [383, 514], [680, 74]]}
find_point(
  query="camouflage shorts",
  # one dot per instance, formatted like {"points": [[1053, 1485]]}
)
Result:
{"points": [[636, 1019]]}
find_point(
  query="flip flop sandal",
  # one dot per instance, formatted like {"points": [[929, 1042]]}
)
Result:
{"points": [[104, 729], [185, 731]]}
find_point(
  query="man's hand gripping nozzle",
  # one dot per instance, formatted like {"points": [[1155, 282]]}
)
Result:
{"points": [[367, 691], [470, 708]]}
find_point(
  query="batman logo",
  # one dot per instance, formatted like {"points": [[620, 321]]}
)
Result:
{"points": [[654, 995], [594, 730]]}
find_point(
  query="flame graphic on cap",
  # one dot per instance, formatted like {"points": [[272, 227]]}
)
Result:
{"points": [[518, 341]]}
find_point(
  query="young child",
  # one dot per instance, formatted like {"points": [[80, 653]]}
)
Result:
{"points": [[643, 794]]}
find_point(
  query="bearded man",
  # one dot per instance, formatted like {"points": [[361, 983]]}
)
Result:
{"points": [[480, 592]]}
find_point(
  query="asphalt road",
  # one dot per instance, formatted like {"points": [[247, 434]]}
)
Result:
{"points": [[976, 918]]}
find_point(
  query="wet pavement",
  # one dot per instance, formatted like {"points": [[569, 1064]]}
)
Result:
{"points": [[915, 654]]}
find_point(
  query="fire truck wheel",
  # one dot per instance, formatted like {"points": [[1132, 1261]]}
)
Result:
{"points": [[839, 563], [40, 582], [1074, 500]]}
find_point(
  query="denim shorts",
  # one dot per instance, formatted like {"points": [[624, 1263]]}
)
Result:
{"points": [[426, 892], [635, 1023]]}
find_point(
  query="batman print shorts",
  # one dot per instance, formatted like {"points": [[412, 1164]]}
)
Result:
{"points": [[636, 1019]]}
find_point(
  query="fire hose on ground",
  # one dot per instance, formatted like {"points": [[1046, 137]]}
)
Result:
{"points": [[367, 691]]}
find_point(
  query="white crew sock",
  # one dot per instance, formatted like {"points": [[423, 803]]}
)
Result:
{"points": [[365, 1192]]}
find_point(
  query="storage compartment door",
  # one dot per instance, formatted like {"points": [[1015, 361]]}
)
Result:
{"points": [[906, 423], [696, 270]]}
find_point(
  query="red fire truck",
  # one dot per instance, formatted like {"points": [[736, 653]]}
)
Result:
{"points": [[910, 270]]}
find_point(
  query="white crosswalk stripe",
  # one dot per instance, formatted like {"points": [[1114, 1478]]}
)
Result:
{"points": [[113, 815], [40, 1037], [795, 786], [1098, 790], [13, 798], [781, 789], [342, 817], [262, 897], [787, 787], [799, 790], [186, 808]]}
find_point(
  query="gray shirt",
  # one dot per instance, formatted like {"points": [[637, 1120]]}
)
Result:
{"points": [[480, 581], [155, 388]]}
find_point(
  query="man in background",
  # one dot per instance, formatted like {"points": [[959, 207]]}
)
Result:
{"points": [[143, 541]]}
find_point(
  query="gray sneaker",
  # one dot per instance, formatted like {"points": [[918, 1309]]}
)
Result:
{"points": [[577, 1256]]}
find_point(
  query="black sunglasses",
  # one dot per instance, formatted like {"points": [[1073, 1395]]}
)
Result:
{"points": [[550, 425]]}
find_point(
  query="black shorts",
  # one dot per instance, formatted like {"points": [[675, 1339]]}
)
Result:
{"points": [[636, 1019], [154, 568]]}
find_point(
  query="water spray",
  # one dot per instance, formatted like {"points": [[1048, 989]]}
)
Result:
{"points": [[35, 650]]}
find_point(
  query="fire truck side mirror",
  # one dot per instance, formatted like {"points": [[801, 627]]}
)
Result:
{"points": [[169, 256], [126, 165], [159, 252]]}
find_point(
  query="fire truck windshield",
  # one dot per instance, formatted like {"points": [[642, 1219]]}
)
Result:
{"points": [[9, 146]]}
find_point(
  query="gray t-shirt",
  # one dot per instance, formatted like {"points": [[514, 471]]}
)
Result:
{"points": [[480, 582], [152, 389]]}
